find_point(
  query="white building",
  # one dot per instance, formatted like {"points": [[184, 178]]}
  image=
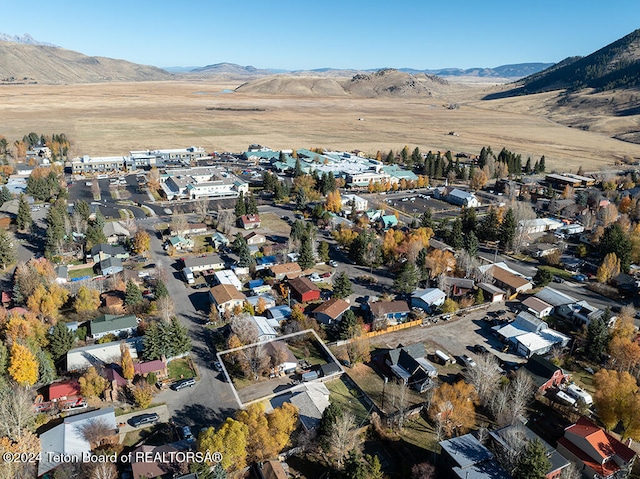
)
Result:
{"points": [[540, 225], [265, 330], [226, 276], [428, 298], [364, 178], [176, 156], [79, 359], [98, 164], [359, 203], [204, 182]]}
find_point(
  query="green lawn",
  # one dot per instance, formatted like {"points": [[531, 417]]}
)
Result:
{"points": [[180, 368], [558, 272], [349, 400], [79, 273]]}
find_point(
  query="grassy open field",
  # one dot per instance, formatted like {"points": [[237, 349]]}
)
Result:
{"points": [[114, 118]]}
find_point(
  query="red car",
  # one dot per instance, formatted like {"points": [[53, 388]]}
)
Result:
{"points": [[326, 275]]}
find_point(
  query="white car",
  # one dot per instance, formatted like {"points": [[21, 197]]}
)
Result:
{"points": [[468, 361], [333, 263], [315, 278]]}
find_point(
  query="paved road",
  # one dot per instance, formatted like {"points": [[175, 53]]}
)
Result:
{"points": [[211, 400]]}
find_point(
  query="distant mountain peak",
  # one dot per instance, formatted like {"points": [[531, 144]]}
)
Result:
{"points": [[25, 39]]}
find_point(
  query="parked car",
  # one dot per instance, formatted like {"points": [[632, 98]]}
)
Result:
{"points": [[186, 434], [558, 279], [580, 277], [217, 366], [143, 419], [315, 278], [468, 361], [480, 349], [333, 263], [183, 383], [325, 275]]}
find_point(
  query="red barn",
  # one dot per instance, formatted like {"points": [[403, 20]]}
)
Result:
{"points": [[304, 290], [63, 390]]}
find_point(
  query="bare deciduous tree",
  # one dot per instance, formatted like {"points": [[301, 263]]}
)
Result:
{"points": [[226, 219], [16, 412], [165, 308], [243, 326], [254, 359], [511, 446], [571, 472], [522, 212], [485, 377], [343, 437], [521, 392], [201, 208], [178, 223], [104, 470], [95, 432]]}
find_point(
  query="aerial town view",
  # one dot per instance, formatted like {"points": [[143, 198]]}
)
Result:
{"points": [[371, 255]]}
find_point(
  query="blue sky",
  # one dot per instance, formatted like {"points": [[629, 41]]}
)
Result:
{"points": [[306, 34]]}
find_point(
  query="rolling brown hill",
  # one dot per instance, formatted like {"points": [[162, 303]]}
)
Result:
{"points": [[23, 63], [383, 83]]}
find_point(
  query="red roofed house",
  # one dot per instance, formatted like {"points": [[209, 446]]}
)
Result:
{"points": [[249, 222], [63, 390], [303, 290], [595, 452], [156, 366], [6, 298]]}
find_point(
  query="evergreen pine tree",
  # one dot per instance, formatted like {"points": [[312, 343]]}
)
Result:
{"points": [[7, 249], [391, 158], [542, 164], [471, 243], [23, 219], [133, 295], [489, 225], [507, 230], [297, 172], [598, 336], [527, 166], [342, 286], [61, 340], [456, 239], [152, 342], [469, 220], [306, 259], [100, 220], [5, 195], [323, 251], [407, 281], [241, 207], [426, 220], [348, 326], [251, 207], [479, 298], [180, 341], [161, 290], [46, 368], [533, 462]]}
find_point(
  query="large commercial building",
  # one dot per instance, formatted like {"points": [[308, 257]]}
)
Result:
{"points": [[205, 182]]}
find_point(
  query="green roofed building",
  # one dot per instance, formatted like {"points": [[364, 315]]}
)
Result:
{"points": [[111, 324], [396, 172]]}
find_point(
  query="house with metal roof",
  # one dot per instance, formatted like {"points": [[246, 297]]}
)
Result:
{"points": [[279, 313], [388, 221], [555, 298], [226, 276], [103, 251], [265, 330], [110, 266], [303, 290], [203, 263], [537, 307], [492, 293], [67, 439], [466, 458], [112, 324], [428, 299], [79, 359]]}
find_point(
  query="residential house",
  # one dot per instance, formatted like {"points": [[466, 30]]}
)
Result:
{"points": [[112, 299], [157, 367], [112, 324], [544, 373], [331, 311], [287, 362], [219, 240], [203, 263], [466, 458], [354, 203], [540, 250], [388, 221], [115, 232], [585, 313], [562, 303], [101, 252], [537, 307], [505, 438], [226, 297], [392, 312], [226, 276], [265, 262], [530, 335], [409, 365], [303, 290], [492, 293], [279, 313], [61, 390], [540, 225], [190, 229], [597, 453], [268, 301], [311, 402], [180, 243], [254, 238], [110, 266], [428, 299], [510, 282], [66, 439], [286, 270], [457, 287], [456, 196], [249, 222], [265, 330], [143, 465]]}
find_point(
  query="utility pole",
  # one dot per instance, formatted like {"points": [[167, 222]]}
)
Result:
{"points": [[384, 385]]}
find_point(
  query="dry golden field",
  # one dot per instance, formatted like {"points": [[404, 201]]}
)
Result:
{"points": [[113, 118]]}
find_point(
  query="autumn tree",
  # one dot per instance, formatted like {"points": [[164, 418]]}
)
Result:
{"points": [[478, 180], [334, 202], [439, 262], [87, 300], [610, 268], [91, 383], [23, 366], [616, 398], [126, 362], [141, 242], [453, 408], [47, 301], [142, 395], [230, 440]]}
